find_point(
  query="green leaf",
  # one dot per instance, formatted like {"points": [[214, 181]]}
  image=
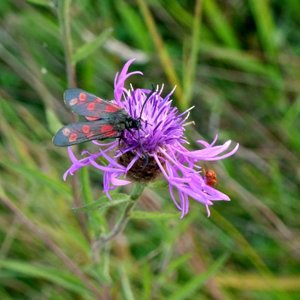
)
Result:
{"points": [[147, 280], [53, 122], [221, 26], [65, 280], [125, 284], [240, 59], [38, 176], [40, 2], [173, 266], [158, 184], [262, 12], [135, 26], [153, 215], [85, 183], [104, 202], [88, 48], [186, 291]]}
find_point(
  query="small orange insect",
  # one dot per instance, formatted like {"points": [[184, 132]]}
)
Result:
{"points": [[210, 177]]}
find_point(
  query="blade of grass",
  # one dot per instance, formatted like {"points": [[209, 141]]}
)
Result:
{"points": [[87, 193], [191, 64], [135, 26], [174, 265], [187, 290], [253, 256], [37, 176], [43, 236], [163, 54], [221, 26], [262, 13], [64, 17], [24, 72], [179, 13], [240, 59], [40, 2], [153, 215], [67, 281], [64, 8], [88, 48], [147, 282], [125, 284], [98, 205], [253, 282]]}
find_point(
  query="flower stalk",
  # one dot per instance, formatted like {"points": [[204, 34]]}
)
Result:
{"points": [[137, 191]]}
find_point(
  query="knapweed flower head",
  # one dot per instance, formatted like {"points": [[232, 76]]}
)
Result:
{"points": [[158, 147]]}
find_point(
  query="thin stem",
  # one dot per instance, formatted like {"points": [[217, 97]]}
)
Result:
{"points": [[119, 227]]}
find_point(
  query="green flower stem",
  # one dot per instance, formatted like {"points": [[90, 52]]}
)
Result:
{"points": [[137, 191]]}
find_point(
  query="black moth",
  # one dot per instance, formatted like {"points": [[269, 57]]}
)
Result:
{"points": [[105, 119]]}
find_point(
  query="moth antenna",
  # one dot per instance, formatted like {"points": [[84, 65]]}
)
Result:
{"points": [[140, 118], [148, 97]]}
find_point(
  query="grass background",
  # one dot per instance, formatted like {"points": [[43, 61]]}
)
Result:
{"points": [[238, 62]]}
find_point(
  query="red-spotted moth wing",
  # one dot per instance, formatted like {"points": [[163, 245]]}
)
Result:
{"points": [[76, 133], [89, 105], [107, 120]]}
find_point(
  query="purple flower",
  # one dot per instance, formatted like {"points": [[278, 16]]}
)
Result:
{"points": [[156, 148]]}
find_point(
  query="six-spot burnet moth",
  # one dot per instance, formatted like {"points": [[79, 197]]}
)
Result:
{"points": [[105, 119]]}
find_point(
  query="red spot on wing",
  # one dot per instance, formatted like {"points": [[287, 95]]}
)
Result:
{"points": [[112, 108], [73, 137], [85, 129], [91, 106], [82, 97], [106, 128], [112, 134], [98, 100]]}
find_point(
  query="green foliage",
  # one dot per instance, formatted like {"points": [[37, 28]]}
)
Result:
{"points": [[67, 281], [88, 48], [238, 63], [187, 290], [103, 203]]}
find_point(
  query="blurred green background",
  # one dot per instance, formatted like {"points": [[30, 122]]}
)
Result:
{"points": [[238, 62]]}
